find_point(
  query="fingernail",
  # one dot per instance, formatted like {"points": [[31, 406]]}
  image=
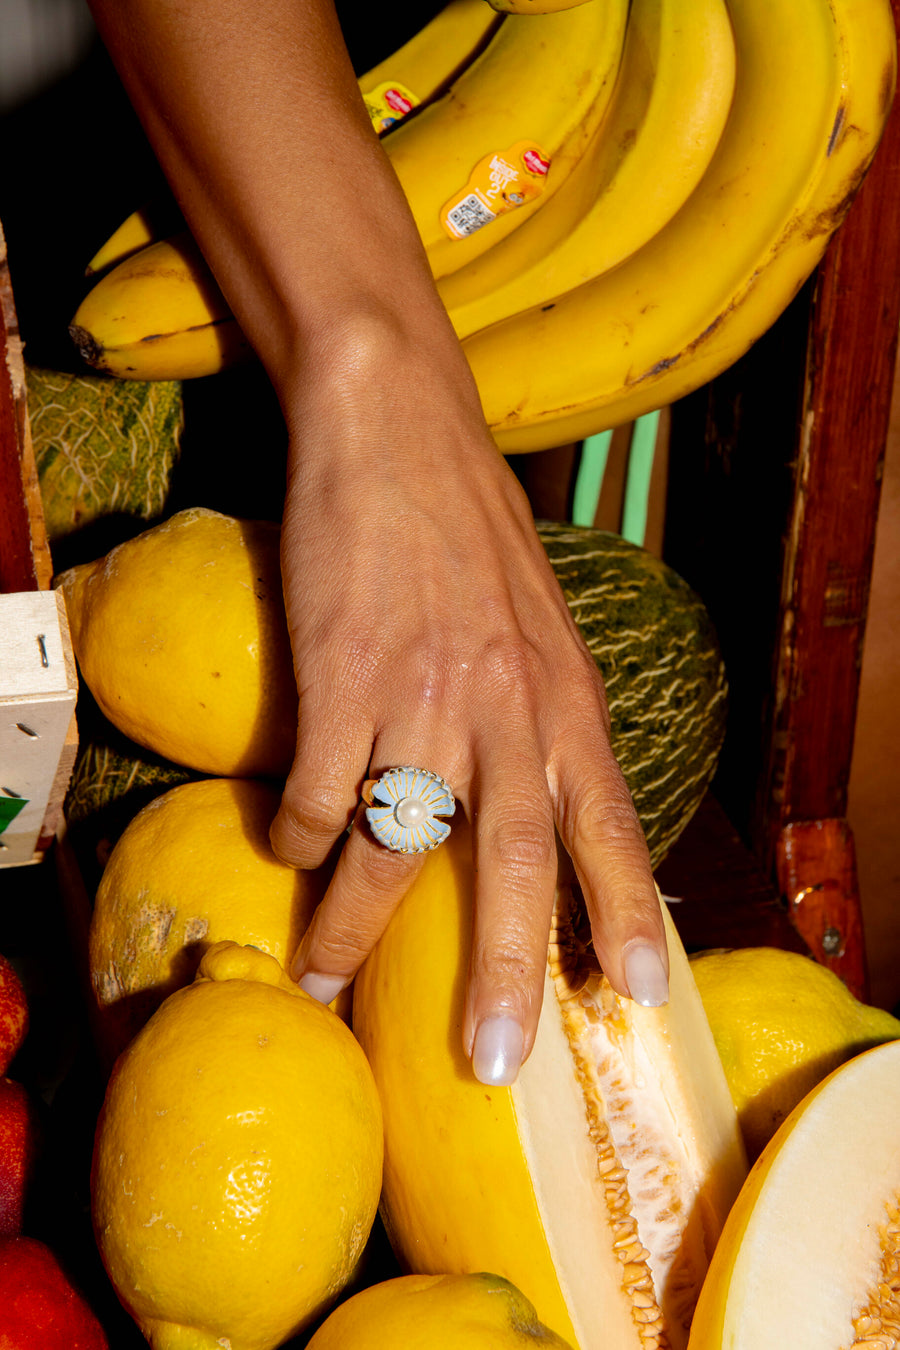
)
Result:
{"points": [[497, 1051], [646, 976], [324, 988]]}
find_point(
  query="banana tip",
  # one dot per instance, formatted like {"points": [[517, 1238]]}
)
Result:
{"points": [[89, 349]]}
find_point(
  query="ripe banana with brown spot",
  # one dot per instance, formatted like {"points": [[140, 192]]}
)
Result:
{"points": [[815, 83], [670, 108], [158, 312]]}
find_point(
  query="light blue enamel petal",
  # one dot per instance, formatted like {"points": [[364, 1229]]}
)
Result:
{"points": [[399, 785], [383, 791], [385, 827]]}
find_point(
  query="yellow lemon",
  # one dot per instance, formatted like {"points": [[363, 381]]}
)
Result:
{"points": [[181, 637], [193, 867], [781, 1023], [237, 1162], [422, 1312]]}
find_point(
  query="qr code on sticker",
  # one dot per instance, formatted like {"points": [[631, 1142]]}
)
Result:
{"points": [[469, 215]]}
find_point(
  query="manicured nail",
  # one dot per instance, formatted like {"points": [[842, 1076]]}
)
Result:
{"points": [[324, 988], [646, 976], [497, 1052]]}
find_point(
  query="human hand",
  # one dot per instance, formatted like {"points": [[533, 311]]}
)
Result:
{"points": [[428, 629]]}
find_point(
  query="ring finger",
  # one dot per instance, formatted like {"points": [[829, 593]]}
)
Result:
{"points": [[369, 882]]}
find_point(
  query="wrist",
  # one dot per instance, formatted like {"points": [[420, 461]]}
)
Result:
{"points": [[371, 375]]}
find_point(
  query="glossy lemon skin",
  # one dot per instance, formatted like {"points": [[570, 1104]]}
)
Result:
{"points": [[419, 1312], [181, 636], [781, 1022], [192, 868], [237, 1163]]}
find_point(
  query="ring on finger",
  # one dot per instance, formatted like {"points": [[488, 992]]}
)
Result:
{"points": [[413, 800]]}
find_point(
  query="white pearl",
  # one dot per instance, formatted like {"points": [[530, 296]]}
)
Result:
{"points": [[410, 811]]}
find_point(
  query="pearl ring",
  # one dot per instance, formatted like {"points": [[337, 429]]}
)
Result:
{"points": [[413, 800]]}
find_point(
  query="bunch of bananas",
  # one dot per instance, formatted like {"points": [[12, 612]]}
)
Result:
{"points": [[605, 239]]}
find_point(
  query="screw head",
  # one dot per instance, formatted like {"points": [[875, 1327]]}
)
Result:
{"points": [[831, 941]]}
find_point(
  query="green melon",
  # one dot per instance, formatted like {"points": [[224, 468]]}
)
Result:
{"points": [[103, 447], [656, 649]]}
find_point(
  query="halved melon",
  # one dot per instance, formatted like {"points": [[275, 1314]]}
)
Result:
{"points": [[810, 1255], [599, 1182]]}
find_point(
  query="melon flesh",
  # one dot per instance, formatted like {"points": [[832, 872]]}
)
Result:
{"points": [[631, 1149], [529, 1182], [810, 1256]]}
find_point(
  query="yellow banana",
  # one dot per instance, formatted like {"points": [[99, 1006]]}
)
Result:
{"points": [[157, 312], [815, 82], [438, 53], [418, 71], [532, 6], [154, 220], [671, 105], [475, 164], [160, 310]]}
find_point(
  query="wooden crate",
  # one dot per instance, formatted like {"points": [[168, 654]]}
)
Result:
{"points": [[38, 684]]}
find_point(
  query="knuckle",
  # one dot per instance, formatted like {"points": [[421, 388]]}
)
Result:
{"points": [[429, 672], [512, 972], [336, 948], [509, 664], [524, 846], [387, 872], [320, 812], [609, 820]]}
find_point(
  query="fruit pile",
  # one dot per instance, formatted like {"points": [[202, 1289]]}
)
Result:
{"points": [[247, 1134], [680, 174], [606, 238]]}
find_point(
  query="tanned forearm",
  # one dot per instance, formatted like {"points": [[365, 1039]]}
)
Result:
{"points": [[256, 117]]}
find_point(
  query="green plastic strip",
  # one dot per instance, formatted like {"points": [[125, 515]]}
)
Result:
{"points": [[589, 479], [9, 809], [637, 482]]}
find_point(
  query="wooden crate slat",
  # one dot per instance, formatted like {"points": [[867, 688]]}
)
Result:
{"points": [[25, 562]]}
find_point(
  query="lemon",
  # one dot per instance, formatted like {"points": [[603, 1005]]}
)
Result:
{"points": [[237, 1161], [181, 636], [193, 867], [782, 1022], [422, 1312]]}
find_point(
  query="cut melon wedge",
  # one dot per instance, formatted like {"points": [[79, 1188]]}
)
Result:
{"points": [[599, 1182], [810, 1255]]}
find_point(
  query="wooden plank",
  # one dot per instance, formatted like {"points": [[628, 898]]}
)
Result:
{"points": [[850, 372], [817, 873], [25, 562]]}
